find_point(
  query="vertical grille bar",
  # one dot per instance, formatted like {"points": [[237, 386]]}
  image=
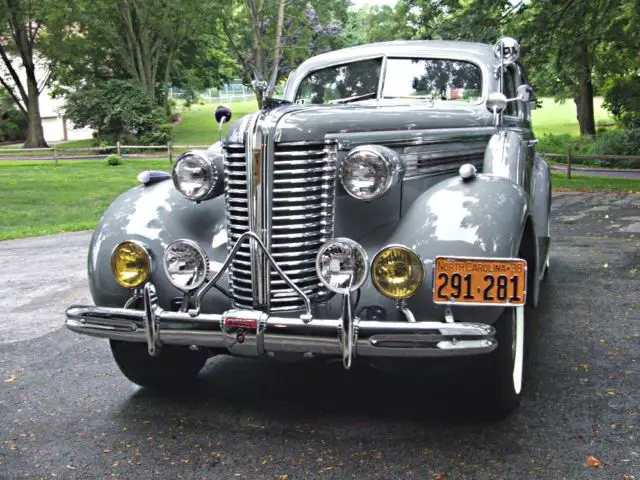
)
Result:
{"points": [[302, 199]]}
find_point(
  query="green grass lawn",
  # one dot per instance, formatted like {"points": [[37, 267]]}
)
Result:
{"points": [[588, 183], [199, 128], [39, 198], [560, 118]]}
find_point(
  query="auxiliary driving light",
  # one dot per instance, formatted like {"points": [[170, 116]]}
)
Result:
{"points": [[130, 264], [397, 272], [342, 265], [186, 265]]}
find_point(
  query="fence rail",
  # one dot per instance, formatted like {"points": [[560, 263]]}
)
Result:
{"points": [[56, 153], [169, 150], [569, 157]]}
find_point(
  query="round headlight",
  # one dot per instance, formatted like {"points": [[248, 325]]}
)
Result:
{"points": [[367, 172], [186, 265], [130, 264], [342, 265], [397, 272], [195, 176]]}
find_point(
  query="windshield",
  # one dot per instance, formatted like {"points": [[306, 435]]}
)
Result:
{"points": [[352, 81], [420, 79], [434, 79]]}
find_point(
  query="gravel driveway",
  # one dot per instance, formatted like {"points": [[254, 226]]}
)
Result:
{"points": [[67, 412]]}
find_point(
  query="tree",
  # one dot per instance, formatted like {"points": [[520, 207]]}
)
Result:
{"points": [[380, 23], [568, 45], [22, 25], [572, 41], [142, 40], [269, 37]]}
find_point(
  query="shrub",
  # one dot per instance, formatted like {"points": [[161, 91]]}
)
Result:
{"points": [[114, 160], [118, 110], [607, 142], [622, 99]]}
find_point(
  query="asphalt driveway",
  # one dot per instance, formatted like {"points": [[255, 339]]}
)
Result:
{"points": [[67, 412]]}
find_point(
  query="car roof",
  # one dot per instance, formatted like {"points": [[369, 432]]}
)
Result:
{"points": [[481, 52]]}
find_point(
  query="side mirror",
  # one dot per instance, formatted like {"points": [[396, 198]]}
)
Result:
{"points": [[496, 104], [507, 50], [525, 94], [222, 114]]}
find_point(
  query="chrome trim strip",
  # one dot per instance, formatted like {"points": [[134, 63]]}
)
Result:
{"points": [[393, 138], [383, 74], [300, 153]]}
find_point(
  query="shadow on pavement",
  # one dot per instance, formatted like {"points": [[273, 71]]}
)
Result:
{"points": [[431, 392]]}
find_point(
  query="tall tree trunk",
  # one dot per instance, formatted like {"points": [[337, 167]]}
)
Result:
{"points": [[35, 133], [584, 100], [277, 51], [259, 97]]}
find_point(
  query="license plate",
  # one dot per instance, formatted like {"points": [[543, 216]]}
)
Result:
{"points": [[480, 281]]}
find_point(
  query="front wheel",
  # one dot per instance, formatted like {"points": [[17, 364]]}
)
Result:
{"points": [[175, 366], [503, 378]]}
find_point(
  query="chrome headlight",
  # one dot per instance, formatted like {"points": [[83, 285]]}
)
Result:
{"points": [[196, 176], [130, 264], [368, 171], [342, 265], [397, 272], [186, 265]]}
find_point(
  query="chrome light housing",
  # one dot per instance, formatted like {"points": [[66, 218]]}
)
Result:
{"points": [[196, 176], [342, 265], [186, 265], [397, 272], [369, 171]]}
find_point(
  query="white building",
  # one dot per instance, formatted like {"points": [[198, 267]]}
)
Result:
{"points": [[56, 127]]}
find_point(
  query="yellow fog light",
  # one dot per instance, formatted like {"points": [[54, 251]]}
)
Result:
{"points": [[397, 272], [130, 264]]}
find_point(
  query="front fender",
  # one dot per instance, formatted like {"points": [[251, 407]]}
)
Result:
{"points": [[155, 215], [484, 217]]}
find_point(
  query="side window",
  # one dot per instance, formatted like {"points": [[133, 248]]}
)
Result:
{"points": [[510, 91]]}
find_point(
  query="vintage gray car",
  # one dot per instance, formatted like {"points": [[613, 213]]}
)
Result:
{"points": [[390, 206]]}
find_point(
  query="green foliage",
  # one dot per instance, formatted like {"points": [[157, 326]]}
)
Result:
{"points": [[13, 124], [608, 142], [379, 23], [114, 160], [622, 99], [119, 110], [155, 43], [250, 29]]}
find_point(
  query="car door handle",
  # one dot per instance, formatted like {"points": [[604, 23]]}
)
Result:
{"points": [[533, 143]]}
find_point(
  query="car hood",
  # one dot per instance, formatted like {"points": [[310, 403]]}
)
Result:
{"points": [[300, 123]]}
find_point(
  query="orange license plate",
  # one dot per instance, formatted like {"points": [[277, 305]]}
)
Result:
{"points": [[480, 281]]}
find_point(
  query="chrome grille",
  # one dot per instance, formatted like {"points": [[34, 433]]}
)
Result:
{"points": [[302, 220]]}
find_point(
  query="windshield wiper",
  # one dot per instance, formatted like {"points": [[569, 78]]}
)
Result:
{"points": [[356, 98]]}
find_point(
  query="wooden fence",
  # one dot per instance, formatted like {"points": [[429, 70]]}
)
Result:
{"points": [[569, 157], [94, 153], [169, 151]]}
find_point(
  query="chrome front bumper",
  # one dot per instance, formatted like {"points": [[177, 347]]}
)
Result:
{"points": [[254, 333]]}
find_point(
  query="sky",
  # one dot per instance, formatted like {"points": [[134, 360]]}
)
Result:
{"points": [[362, 3]]}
